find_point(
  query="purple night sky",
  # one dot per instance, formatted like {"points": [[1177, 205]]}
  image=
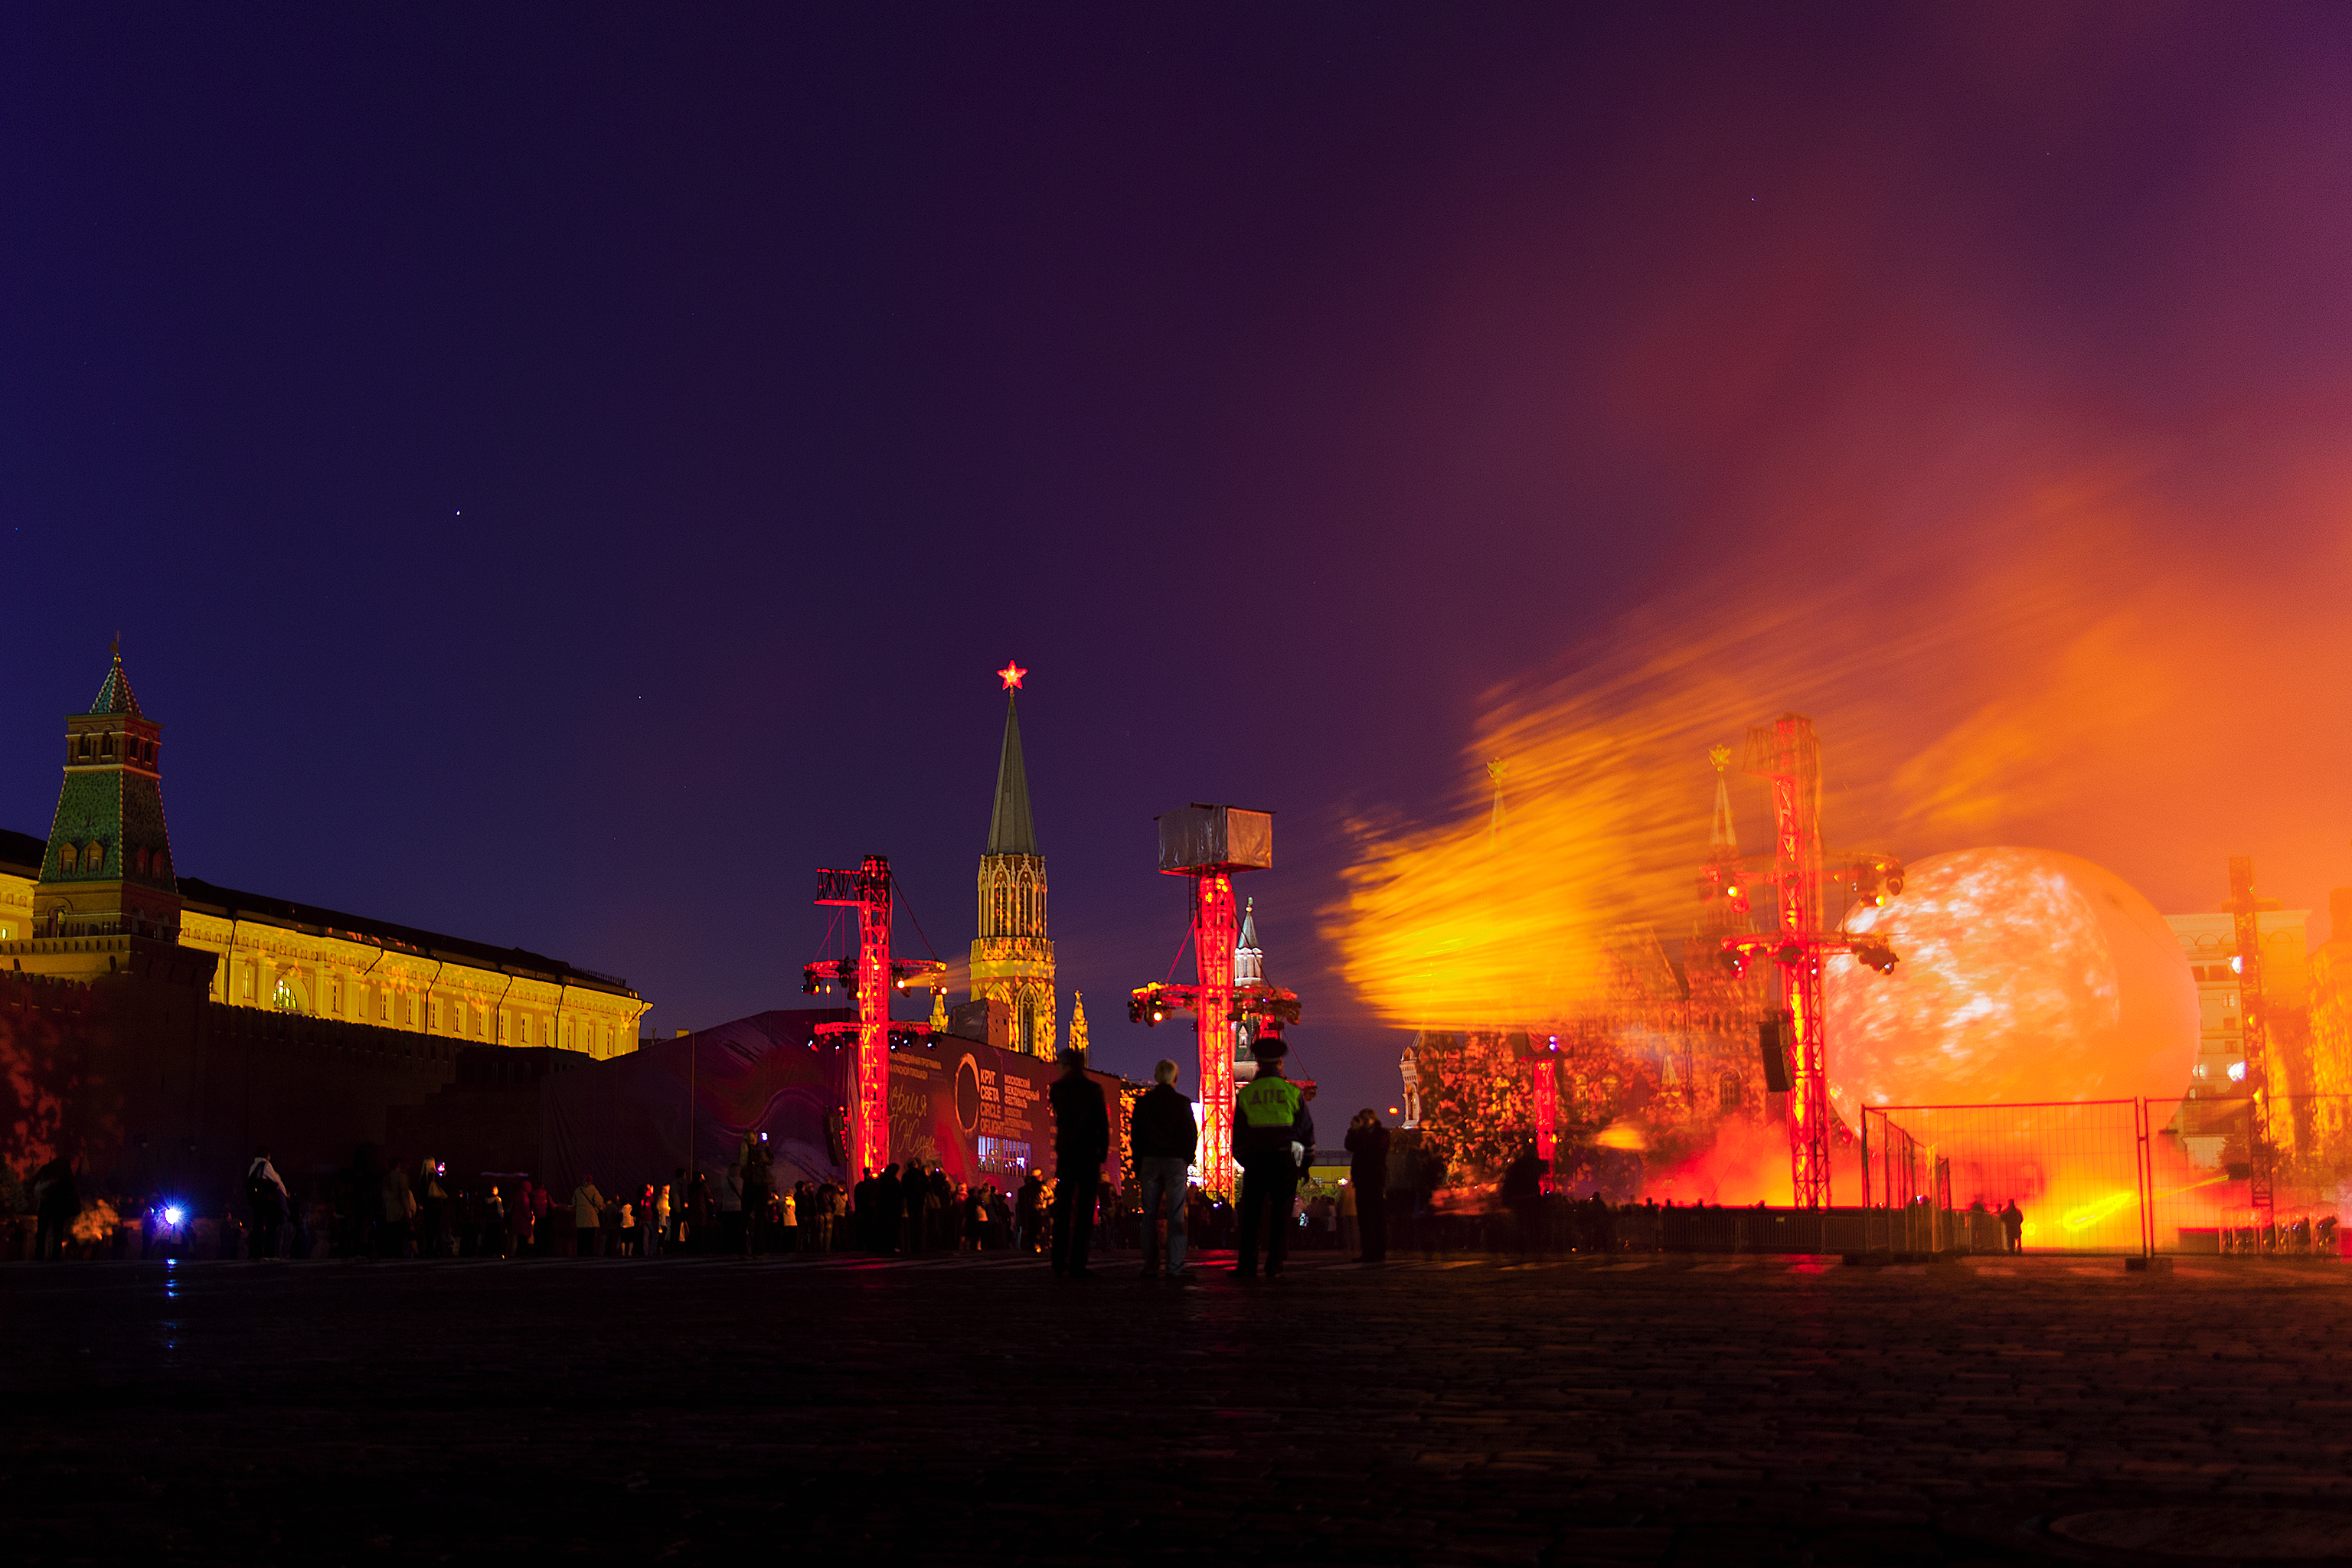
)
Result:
{"points": [[560, 476]]}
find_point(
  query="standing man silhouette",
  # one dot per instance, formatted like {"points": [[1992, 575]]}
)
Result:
{"points": [[1081, 1144]]}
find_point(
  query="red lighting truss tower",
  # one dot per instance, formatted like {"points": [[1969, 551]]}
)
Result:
{"points": [[871, 977], [1210, 845], [1787, 756], [2246, 911]]}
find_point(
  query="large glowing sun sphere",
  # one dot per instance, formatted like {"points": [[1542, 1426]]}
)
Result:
{"points": [[2024, 975]]}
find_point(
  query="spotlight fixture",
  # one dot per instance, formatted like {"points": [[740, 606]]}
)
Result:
{"points": [[1875, 955]]}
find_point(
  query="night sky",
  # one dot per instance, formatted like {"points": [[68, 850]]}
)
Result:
{"points": [[562, 476]]}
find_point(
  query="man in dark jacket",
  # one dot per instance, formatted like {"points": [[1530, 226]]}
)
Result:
{"points": [[1081, 1144], [1272, 1137], [1162, 1136], [889, 1206], [56, 1204], [1368, 1173]]}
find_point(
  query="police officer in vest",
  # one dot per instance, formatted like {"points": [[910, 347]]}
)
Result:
{"points": [[1269, 1118]]}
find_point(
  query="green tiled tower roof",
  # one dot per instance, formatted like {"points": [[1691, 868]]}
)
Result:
{"points": [[114, 697]]}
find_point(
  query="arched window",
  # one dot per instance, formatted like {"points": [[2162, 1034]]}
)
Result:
{"points": [[287, 998], [105, 748]]}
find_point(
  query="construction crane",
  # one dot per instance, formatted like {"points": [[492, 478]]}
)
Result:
{"points": [[871, 976], [1787, 756], [1210, 845], [2246, 911]]}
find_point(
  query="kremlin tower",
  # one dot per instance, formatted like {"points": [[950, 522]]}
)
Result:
{"points": [[1012, 960], [108, 868], [1249, 969]]}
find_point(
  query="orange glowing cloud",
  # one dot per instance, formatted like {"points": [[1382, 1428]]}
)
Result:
{"points": [[2049, 670]]}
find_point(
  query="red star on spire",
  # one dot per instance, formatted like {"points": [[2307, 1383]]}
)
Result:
{"points": [[1010, 675]]}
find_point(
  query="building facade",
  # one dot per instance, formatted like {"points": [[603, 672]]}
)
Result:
{"points": [[1013, 958], [105, 889], [2209, 944]]}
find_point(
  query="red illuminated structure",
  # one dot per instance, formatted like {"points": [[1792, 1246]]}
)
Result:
{"points": [[1543, 1081], [1210, 845], [871, 976], [1787, 756], [2246, 911]]}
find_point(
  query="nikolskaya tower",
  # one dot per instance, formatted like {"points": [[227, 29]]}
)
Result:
{"points": [[1012, 960]]}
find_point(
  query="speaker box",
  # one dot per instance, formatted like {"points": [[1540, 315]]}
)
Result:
{"points": [[1772, 1038]]}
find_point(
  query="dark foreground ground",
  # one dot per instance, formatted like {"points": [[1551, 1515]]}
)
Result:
{"points": [[1690, 1411]]}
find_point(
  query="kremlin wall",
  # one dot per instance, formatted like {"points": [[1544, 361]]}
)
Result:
{"points": [[155, 1029]]}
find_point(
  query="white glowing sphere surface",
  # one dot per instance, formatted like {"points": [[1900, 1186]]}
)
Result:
{"points": [[2023, 975]]}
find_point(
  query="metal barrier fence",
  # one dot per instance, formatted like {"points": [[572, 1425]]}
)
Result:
{"points": [[2077, 1170], [2113, 1176]]}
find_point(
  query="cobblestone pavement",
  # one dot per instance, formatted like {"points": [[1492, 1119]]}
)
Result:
{"points": [[1658, 1411]]}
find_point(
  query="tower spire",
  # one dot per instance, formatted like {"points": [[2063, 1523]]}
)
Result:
{"points": [[1010, 830]]}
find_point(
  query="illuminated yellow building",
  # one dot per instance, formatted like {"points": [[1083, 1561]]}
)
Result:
{"points": [[101, 893], [2331, 1000], [2209, 944], [1011, 959]]}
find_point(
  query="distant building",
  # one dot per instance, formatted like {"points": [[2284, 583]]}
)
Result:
{"points": [[2209, 944], [2330, 965], [1012, 958], [102, 890]]}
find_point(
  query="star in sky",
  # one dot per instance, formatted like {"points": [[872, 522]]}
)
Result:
{"points": [[1010, 675]]}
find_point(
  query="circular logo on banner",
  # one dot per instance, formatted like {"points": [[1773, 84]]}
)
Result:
{"points": [[967, 1094]]}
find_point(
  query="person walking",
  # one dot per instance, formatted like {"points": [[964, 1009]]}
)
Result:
{"points": [[1081, 1144], [587, 1216], [879, 1222], [1028, 1209], [522, 1219], [697, 1213], [914, 1193], [1368, 1179], [2013, 1226], [1522, 1193], [828, 1204], [1163, 1137], [755, 1204], [731, 1210], [1272, 1137], [264, 1189]]}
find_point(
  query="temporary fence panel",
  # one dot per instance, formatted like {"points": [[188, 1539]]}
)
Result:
{"points": [[2203, 1157], [2076, 1171]]}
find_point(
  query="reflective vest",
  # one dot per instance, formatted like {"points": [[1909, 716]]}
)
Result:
{"points": [[1270, 1103]]}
